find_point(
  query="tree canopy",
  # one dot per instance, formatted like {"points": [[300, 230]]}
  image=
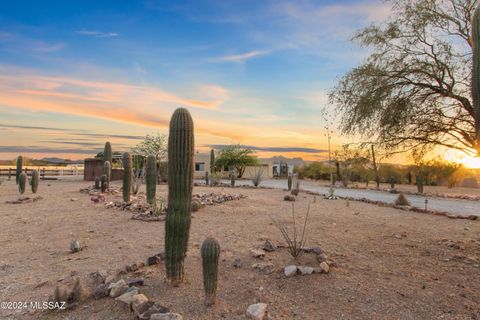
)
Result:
{"points": [[155, 145], [236, 156], [414, 89]]}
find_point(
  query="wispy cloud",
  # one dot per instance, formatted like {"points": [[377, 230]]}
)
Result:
{"points": [[19, 43], [97, 34], [273, 149], [47, 150], [241, 57]]}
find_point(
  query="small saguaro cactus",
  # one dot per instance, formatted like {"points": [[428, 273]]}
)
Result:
{"points": [[151, 178], [19, 168], [107, 171], [103, 183], [210, 252], [22, 181], [212, 161], [180, 185], [289, 182], [233, 178], [206, 178], [34, 181], [127, 176], [107, 152], [97, 183]]}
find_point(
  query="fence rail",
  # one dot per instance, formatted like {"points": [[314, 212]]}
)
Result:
{"points": [[44, 172]]}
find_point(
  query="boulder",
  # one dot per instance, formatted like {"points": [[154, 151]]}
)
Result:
{"points": [[257, 311]]}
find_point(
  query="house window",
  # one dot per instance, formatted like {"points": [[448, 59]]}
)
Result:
{"points": [[199, 166]]}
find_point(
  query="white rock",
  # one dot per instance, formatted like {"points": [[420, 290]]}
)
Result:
{"points": [[127, 298], [118, 288], [305, 270], [137, 300], [290, 270], [258, 253], [257, 311], [166, 316], [324, 267]]}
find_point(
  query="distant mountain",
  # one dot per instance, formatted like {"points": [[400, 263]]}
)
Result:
{"points": [[60, 160], [292, 161]]}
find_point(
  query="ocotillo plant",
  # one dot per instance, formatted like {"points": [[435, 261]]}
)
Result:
{"points": [[180, 185], [107, 152], [210, 252], [107, 170], [127, 176], [151, 178], [19, 168], [212, 161], [34, 181], [289, 182], [22, 181], [103, 183], [476, 72]]}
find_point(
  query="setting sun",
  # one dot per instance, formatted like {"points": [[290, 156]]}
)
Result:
{"points": [[471, 162]]}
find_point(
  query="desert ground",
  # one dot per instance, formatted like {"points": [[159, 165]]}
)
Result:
{"points": [[387, 263]]}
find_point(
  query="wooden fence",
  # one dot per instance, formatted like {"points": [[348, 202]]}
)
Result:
{"points": [[44, 172]]}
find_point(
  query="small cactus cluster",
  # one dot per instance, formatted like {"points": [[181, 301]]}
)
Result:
{"points": [[34, 181], [19, 168], [127, 176], [180, 185], [210, 253], [151, 178]]}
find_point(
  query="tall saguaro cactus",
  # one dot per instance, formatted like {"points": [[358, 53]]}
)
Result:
{"points": [[180, 185], [151, 178], [127, 176], [107, 152], [34, 181], [19, 168], [210, 252], [212, 161], [476, 73], [107, 170]]}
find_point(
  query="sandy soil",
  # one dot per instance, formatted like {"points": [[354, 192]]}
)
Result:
{"points": [[389, 264]]}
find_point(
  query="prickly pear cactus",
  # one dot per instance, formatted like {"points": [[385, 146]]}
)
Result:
{"points": [[210, 252], [180, 185], [34, 181], [19, 168], [103, 183], [151, 178], [22, 181], [127, 176]]}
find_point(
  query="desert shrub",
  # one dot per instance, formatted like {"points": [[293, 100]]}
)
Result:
{"points": [[295, 243], [402, 200], [315, 170]]}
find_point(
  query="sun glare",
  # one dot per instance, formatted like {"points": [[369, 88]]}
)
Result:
{"points": [[471, 162]]}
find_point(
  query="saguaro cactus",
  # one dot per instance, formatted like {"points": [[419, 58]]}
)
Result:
{"points": [[151, 178], [97, 183], [233, 178], [19, 168], [180, 185], [107, 152], [476, 73], [103, 183], [34, 181], [212, 161], [210, 252], [127, 176], [289, 182], [22, 181], [107, 170], [206, 178]]}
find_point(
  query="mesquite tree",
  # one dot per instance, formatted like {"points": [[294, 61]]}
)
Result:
{"points": [[415, 89]]}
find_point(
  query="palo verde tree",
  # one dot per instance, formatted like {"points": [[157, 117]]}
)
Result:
{"points": [[415, 89], [237, 157]]}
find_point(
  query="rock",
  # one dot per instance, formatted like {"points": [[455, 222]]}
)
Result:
{"points": [[126, 299], [118, 288], [196, 205], [257, 311], [138, 300], [290, 271], [156, 259], [101, 291], [264, 267], [289, 197], [324, 268], [257, 253], [166, 316], [147, 309], [268, 246], [73, 199], [136, 282], [304, 270], [75, 246], [141, 308], [237, 263], [98, 277], [134, 266]]}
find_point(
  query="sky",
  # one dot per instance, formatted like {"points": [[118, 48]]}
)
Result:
{"points": [[74, 74]]}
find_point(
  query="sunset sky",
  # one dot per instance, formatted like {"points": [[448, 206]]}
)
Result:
{"points": [[74, 74]]}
